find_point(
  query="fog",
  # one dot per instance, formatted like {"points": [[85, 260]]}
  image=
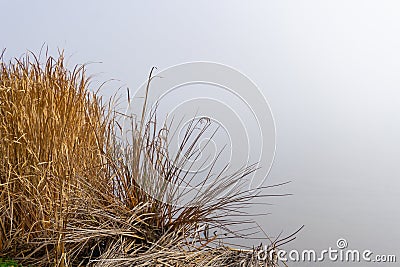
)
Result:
{"points": [[328, 69]]}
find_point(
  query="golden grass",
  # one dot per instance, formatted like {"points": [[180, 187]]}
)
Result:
{"points": [[69, 191]]}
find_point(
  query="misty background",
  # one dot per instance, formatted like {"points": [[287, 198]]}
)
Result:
{"points": [[330, 71]]}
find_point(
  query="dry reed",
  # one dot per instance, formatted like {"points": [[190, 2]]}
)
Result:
{"points": [[71, 192]]}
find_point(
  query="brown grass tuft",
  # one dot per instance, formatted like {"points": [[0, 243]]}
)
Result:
{"points": [[71, 192]]}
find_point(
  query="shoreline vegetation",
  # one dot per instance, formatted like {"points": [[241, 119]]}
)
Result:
{"points": [[71, 192]]}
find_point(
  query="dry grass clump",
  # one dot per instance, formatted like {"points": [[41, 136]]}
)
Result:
{"points": [[52, 131], [71, 192]]}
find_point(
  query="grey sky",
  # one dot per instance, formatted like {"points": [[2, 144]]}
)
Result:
{"points": [[329, 69]]}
